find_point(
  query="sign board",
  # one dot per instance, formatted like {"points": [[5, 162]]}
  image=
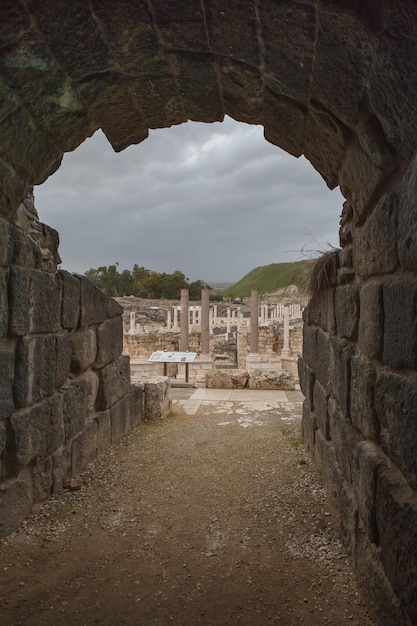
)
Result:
{"points": [[165, 356]]}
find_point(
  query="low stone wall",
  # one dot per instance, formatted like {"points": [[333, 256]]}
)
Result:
{"points": [[270, 344], [255, 379]]}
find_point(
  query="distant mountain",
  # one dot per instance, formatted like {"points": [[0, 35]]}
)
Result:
{"points": [[270, 278]]}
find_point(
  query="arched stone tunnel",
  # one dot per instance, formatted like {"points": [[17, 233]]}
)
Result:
{"points": [[330, 79]]}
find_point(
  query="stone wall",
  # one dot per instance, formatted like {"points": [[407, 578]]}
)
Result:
{"points": [[270, 343], [65, 392], [358, 374]]}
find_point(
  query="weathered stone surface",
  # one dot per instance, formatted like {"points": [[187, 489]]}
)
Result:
{"points": [[75, 406], [226, 379], [407, 219], [331, 475], [71, 300], [12, 190], [4, 304], [371, 321], [84, 447], [271, 379], [158, 401], [396, 518], [7, 364], [15, 504], [61, 469], [42, 479], [362, 401], [347, 311], [103, 430], [307, 427], [322, 312], [322, 358], [26, 252], [114, 382], [198, 85], [237, 81], [7, 237], [32, 383], [400, 320], [309, 342], [307, 379], [349, 517], [284, 121], [120, 415], [344, 438], [93, 303], [19, 301], [396, 408], [367, 458], [63, 359], [38, 430], [114, 309], [2, 444], [374, 243], [84, 349], [138, 400], [109, 341], [92, 380], [320, 407]]}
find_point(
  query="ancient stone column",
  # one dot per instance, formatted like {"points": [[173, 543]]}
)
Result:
{"points": [[254, 334], [168, 320], [205, 321], [286, 349], [175, 318], [132, 328], [228, 323], [184, 321]]}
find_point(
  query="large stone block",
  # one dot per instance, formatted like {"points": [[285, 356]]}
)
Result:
{"points": [[109, 341], [237, 81], [7, 364], [396, 518], [26, 252], [307, 427], [396, 408], [271, 379], [15, 504], [103, 421], [367, 458], [3, 436], [61, 468], [347, 311], [84, 349], [307, 379], [226, 379], [157, 398], [374, 243], [35, 369], [7, 232], [92, 381], [321, 363], [284, 121], [42, 479], [331, 475], [84, 447], [320, 408], [349, 517], [138, 400], [38, 430], [45, 294], [93, 303], [400, 321], [63, 359], [362, 398], [12, 190], [407, 219], [75, 406], [344, 438], [309, 344], [19, 300], [120, 415], [371, 321], [71, 300], [114, 383], [4, 303]]}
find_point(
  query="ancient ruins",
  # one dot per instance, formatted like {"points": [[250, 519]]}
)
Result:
{"points": [[335, 81]]}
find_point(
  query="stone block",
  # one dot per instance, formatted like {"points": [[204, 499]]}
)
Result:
{"points": [[7, 364], [396, 408], [15, 504], [103, 421], [61, 468], [284, 122], [45, 294], [238, 80], [93, 303], [367, 458], [92, 381], [407, 219], [349, 517], [6, 243], [331, 475], [114, 309], [3, 436], [307, 379], [226, 379], [71, 300], [42, 479], [307, 427], [114, 382], [320, 408], [109, 341], [19, 300], [138, 399], [120, 415], [344, 438], [309, 344], [321, 363], [84, 349], [362, 398], [400, 320], [75, 406], [4, 303], [84, 447], [271, 379], [35, 369], [157, 398], [63, 359], [374, 243], [26, 252], [371, 321], [37, 431], [344, 392], [396, 518], [12, 190], [347, 311]]}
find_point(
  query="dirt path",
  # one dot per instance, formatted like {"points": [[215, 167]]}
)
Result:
{"points": [[212, 517]]}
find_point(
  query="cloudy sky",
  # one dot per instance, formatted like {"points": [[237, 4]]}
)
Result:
{"points": [[211, 200]]}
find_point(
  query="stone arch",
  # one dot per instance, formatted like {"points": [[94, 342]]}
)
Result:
{"points": [[330, 79]]}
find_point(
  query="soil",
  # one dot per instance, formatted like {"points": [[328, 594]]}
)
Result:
{"points": [[213, 516]]}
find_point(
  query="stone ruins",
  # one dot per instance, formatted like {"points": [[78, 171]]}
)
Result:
{"points": [[335, 81]]}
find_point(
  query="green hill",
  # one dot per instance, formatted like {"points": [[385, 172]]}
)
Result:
{"points": [[270, 278]]}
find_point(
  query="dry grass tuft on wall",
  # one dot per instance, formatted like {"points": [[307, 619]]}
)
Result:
{"points": [[323, 272]]}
